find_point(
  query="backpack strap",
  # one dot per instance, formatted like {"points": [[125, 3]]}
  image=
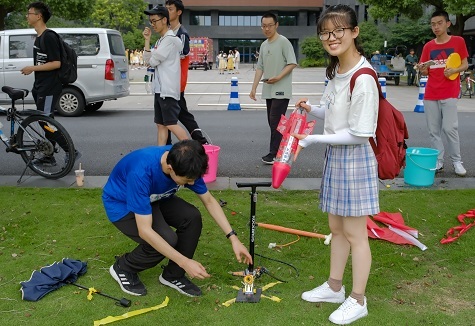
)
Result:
{"points": [[368, 71], [42, 40]]}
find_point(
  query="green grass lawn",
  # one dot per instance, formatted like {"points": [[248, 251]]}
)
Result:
{"points": [[407, 286]]}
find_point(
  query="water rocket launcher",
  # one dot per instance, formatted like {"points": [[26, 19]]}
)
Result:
{"points": [[295, 124]]}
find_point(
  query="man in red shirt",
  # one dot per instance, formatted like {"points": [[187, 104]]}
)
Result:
{"points": [[441, 93]]}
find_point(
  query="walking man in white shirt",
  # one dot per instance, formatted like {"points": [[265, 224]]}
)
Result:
{"points": [[165, 58]]}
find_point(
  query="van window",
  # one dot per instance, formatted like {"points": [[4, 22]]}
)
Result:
{"points": [[21, 46], [116, 45], [83, 44]]}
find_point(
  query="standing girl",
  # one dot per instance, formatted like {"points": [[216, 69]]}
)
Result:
{"points": [[231, 62], [349, 189], [222, 62]]}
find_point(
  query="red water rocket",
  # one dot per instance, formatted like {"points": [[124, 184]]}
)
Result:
{"points": [[295, 124]]}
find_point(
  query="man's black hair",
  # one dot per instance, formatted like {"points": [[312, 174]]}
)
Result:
{"points": [[188, 159], [439, 13], [178, 5], [270, 14], [41, 8]]}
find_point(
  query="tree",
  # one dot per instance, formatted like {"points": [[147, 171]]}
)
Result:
{"points": [[122, 15], [409, 33], [371, 38], [67, 9], [415, 9], [134, 39], [313, 50]]}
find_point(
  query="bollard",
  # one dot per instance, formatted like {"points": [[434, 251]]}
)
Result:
{"points": [[382, 82], [234, 95], [422, 89]]}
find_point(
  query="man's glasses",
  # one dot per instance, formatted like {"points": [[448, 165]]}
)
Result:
{"points": [[31, 13], [267, 26], [153, 21], [337, 33]]}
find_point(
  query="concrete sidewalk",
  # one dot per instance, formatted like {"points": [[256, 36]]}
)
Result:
{"points": [[223, 183]]}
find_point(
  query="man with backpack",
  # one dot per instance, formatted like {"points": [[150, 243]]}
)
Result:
{"points": [[46, 66], [47, 61]]}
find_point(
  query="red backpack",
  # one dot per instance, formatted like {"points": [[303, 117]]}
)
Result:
{"points": [[391, 132]]}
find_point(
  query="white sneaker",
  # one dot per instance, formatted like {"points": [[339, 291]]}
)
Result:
{"points": [[324, 293], [348, 312], [459, 169]]}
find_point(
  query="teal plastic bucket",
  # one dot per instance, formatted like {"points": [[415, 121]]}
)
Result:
{"points": [[420, 166]]}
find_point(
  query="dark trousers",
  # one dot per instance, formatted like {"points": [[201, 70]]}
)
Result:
{"points": [[177, 222], [47, 104], [411, 75], [188, 121], [275, 109]]}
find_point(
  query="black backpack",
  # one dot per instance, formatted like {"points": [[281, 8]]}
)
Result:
{"points": [[68, 72]]}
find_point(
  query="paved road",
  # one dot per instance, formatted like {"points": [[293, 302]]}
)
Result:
{"points": [[126, 124], [105, 136]]}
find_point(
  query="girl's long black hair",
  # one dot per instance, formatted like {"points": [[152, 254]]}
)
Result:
{"points": [[341, 16]]}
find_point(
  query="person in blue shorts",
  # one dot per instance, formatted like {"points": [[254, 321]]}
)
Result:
{"points": [[140, 200]]}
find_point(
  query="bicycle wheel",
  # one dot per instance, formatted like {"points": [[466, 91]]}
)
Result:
{"points": [[45, 146]]}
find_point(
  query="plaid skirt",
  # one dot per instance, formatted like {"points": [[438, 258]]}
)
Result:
{"points": [[350, 181]]}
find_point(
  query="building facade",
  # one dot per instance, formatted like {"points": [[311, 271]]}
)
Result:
{"points": [[236, 24]]}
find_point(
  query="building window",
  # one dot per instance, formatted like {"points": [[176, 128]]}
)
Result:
{"points": [[287, 19], [239, 19], [253, 19], [200, 18]]}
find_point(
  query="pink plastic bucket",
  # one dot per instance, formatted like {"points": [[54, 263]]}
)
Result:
{"points": [[213, 155]]}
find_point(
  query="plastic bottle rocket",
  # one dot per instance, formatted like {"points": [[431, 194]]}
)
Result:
{"points": [[295, 124]]}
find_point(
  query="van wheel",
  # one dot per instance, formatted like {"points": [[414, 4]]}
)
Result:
{"points": [[94, 106], [71, 103]]}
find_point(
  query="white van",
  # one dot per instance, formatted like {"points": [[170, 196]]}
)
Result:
{"points": [[102, 67]]}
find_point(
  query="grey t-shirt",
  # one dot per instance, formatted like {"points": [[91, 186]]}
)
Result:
{"points": [[273, 57]]}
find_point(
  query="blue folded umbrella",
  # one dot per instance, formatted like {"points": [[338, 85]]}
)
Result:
{"points": [[52, 277]]}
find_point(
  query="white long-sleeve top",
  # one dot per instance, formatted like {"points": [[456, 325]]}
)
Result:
{"points": [[164, 57]]}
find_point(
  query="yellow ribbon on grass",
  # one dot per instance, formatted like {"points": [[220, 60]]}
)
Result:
{"points": [[129, 314]]}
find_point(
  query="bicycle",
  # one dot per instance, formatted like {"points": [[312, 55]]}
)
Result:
{"points": [[466, 85], [42, 142]]}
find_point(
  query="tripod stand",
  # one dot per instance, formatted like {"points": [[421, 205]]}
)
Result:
{"points": [[248, 295]]}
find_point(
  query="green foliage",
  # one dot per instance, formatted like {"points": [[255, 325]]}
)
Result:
{"points": [[15, 20], [71, 9], [409, 33], [134, 39], [434, 287], [371, 38], [122, 15], [62, 10], [310, 62], [312, 48], [415, 9]]}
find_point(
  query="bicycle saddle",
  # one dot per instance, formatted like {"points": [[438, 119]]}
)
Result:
{"points": [[15, 93]]}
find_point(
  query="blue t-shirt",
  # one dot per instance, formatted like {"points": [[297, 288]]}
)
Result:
{"points": [[137, 176]]}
